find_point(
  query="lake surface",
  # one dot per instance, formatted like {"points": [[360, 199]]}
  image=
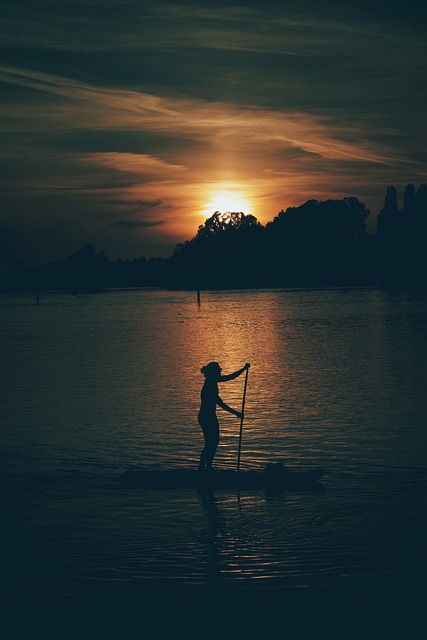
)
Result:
{"points": [[92, 386]]}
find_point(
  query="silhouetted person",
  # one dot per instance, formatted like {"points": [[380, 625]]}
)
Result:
{"points": [[207, 413]]}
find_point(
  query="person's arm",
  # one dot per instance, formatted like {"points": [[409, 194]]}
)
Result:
{"points": [[224, 406], [236, 374]]}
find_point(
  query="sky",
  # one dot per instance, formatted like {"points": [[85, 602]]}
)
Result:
{"points": [[126, 124]]}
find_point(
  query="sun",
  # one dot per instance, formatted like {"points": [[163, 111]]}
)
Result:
{"points": [[226, 201]]}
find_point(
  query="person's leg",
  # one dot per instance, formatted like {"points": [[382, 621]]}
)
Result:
{"points": [[203, 458], [211, 434], [212, 445]]}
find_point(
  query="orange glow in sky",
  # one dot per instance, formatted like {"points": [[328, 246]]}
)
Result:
{"points": [[230, 108], [226, 198]]}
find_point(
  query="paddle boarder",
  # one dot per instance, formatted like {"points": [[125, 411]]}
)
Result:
{"points": [[207, 414]]}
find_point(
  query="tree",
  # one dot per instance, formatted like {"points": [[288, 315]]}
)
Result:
{"points": [[318, 240], [222, 253], [401, 236], [227, 222], [421, 208], [328, 221], [409, 200], [388, 221]]}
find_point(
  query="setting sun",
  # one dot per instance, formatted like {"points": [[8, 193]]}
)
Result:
{"points": [[226, 200]]}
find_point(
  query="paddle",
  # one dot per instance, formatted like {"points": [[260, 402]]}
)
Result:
{"points": [[241, 420]]}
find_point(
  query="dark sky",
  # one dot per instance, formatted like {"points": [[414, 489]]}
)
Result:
{"points": [[126, 123]]}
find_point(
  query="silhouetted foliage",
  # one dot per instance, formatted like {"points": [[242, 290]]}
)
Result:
{"points": [[222, 254], [388, 221], [227, 223], [86, 271], [320, 243], [317, 243], [401, 235]]}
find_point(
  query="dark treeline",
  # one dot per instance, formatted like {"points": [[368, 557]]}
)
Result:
{"points": [[86, 271], [320, 243]]}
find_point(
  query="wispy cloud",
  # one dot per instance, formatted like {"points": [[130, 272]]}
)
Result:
{"points": [[223, 124], [138, 163], [138, 102]]}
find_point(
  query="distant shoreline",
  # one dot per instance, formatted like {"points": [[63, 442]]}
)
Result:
{"points": [[291, 289]]}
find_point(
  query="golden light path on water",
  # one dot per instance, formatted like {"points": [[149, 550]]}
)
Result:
{"points": [[231, 331], [336, 380]]}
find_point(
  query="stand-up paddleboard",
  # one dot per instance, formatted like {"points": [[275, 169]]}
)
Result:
{"points": [[274, 476]]}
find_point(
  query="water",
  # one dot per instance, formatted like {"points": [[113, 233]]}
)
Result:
{"points": [[93, 386]]}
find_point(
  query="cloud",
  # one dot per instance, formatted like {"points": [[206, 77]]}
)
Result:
{"points": [[138, 102], [131, 162], [222, 124], [142, 207], [137, 224]]}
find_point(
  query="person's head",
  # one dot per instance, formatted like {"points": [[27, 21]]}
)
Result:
{"points": [[211, 370]]}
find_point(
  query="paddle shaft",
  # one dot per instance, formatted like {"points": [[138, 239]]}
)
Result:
{"points": [[241, 420]]}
